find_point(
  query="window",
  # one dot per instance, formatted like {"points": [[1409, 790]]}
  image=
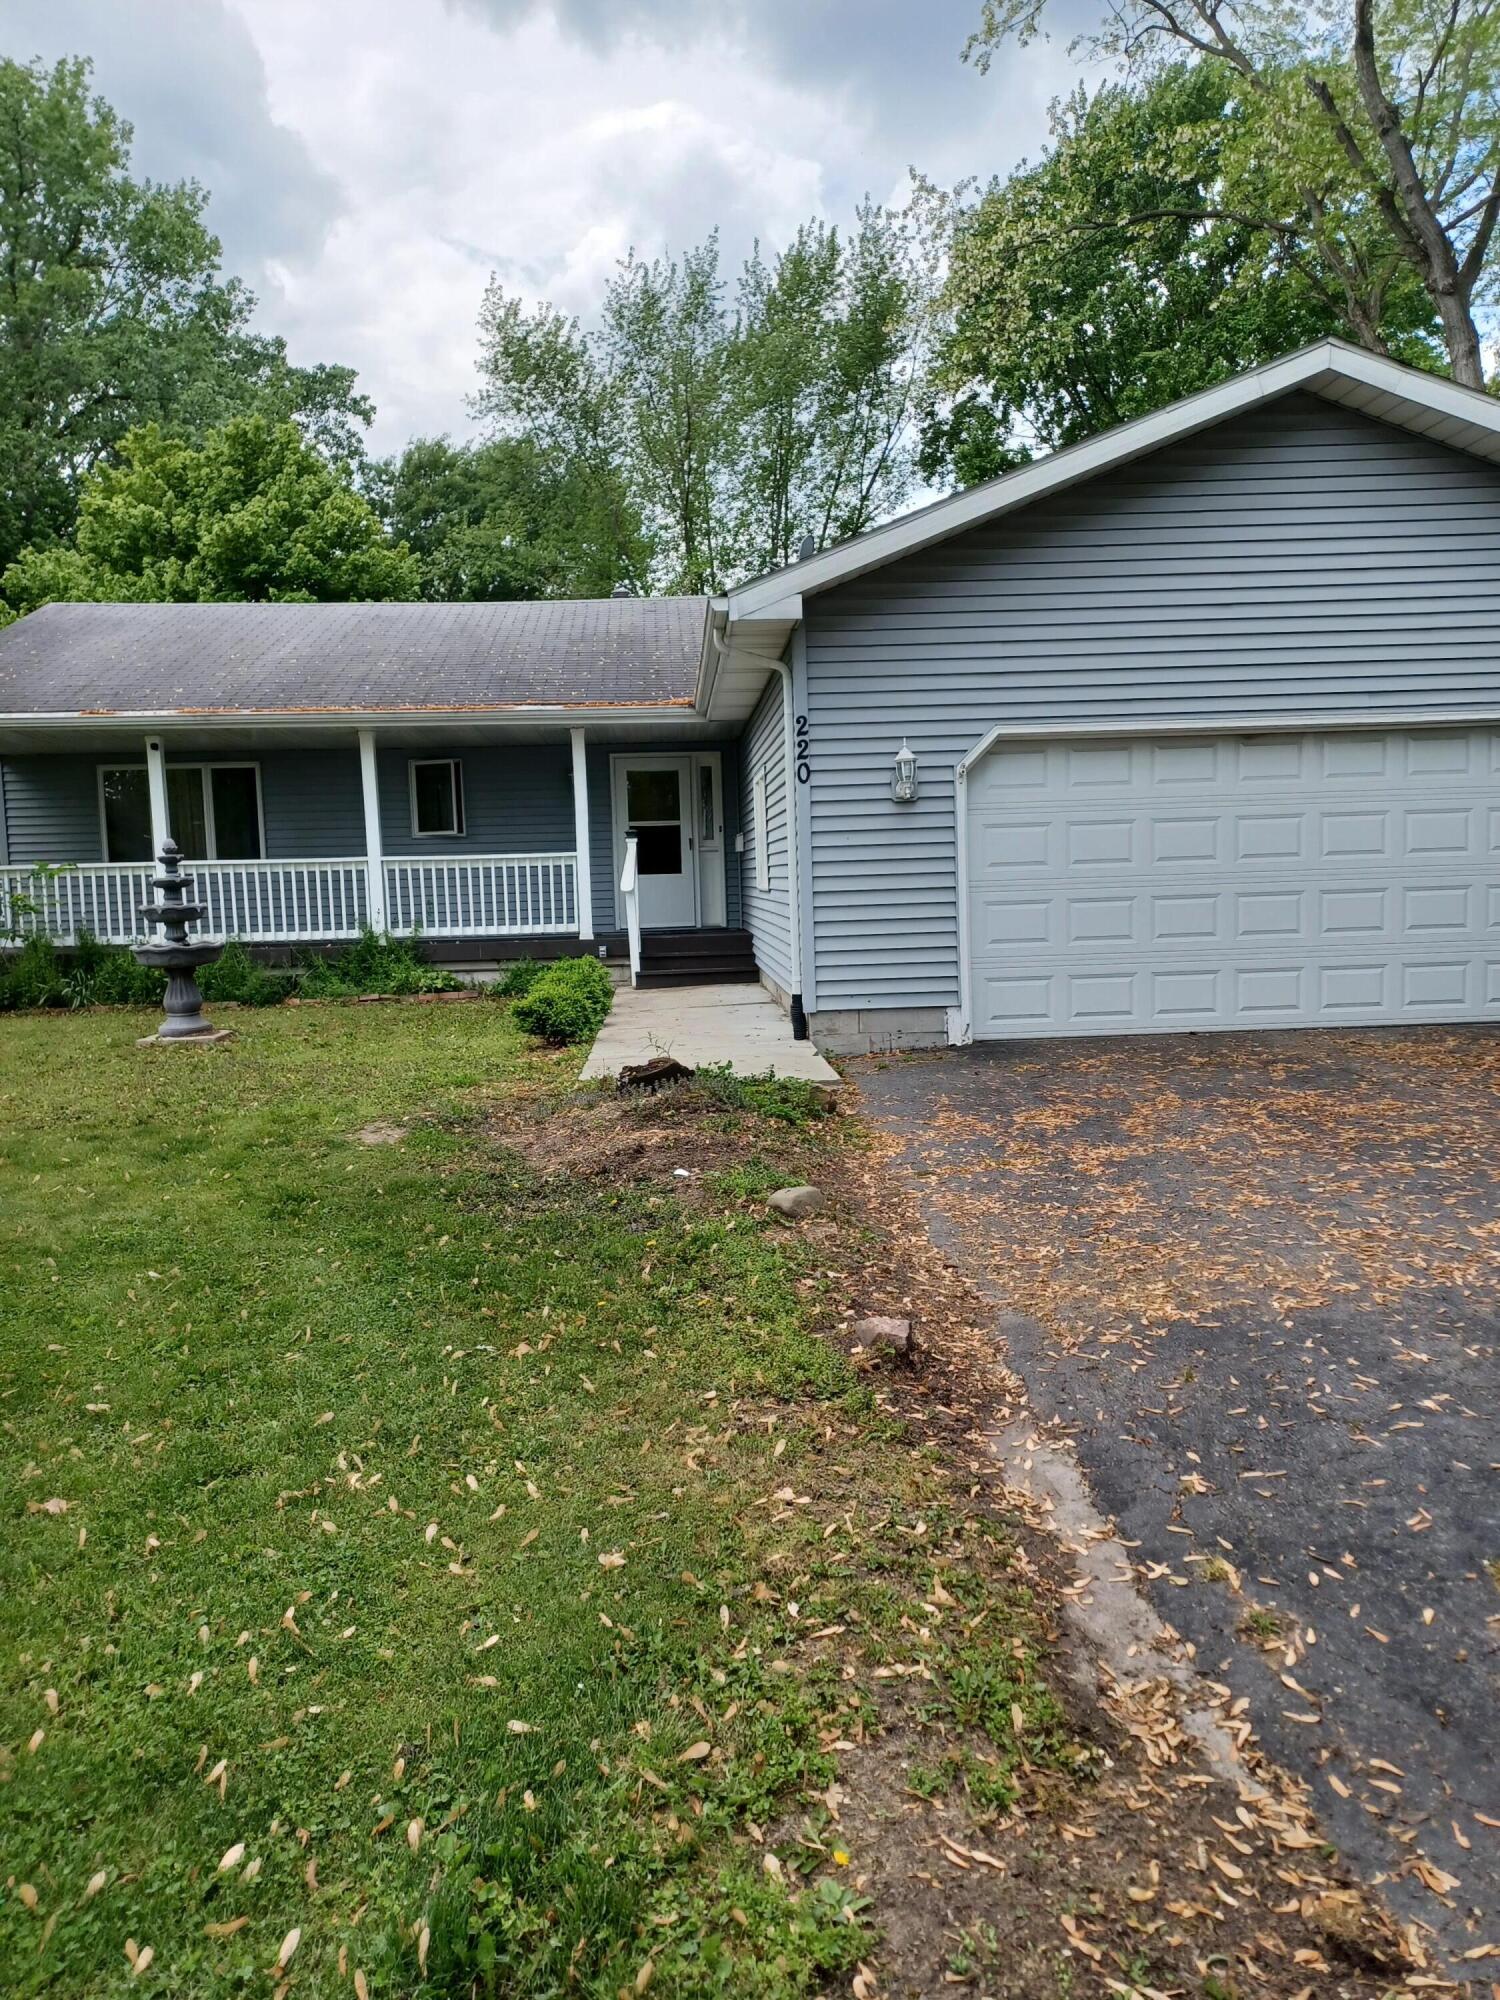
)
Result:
{"points": [[437, 797], [760, 828], [213, 811], [653, 809], [708, 819]]}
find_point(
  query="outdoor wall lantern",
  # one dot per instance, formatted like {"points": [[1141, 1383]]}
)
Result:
{"points": [[904, 786]]}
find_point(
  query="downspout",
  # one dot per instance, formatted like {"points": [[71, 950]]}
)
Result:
{"points": [[793, 850]]}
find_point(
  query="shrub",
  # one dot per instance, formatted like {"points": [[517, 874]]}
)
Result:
{"points": [[235, 976], [374, 964], [33, 977], [105, 975], [567, 1002], [518, 977]]}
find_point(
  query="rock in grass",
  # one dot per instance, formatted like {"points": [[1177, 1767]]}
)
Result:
{"points": [[891, 1335], [792, 1203]]}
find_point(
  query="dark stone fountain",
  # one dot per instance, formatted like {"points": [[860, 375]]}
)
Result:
{"points": [[177, 955]]}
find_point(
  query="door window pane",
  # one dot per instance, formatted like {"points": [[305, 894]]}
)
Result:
{"points": [[707, 826], [437, 797], [236, 813], [652, 795], [127, 815], [658, 850], [185, 811]]}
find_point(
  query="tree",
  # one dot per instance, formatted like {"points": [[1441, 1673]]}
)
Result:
{"points": [[1108, 279], [253, 513], [728, 432], [830, 364], [503, 520], [113, 312], [1377, 131]]}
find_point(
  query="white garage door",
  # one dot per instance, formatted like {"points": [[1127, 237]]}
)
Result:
{"points": [[1132, 885]]}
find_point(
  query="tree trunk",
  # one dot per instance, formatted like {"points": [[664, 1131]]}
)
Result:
{"points": [[1427, 241]]}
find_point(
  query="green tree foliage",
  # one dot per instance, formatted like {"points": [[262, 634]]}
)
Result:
{"points": [[505, 520], [1374, 129], [252, 513], [1113, 276], [113, 311], [730, 428]]}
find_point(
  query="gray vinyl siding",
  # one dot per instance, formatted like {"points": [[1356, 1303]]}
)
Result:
{"points": [[767, 912], [52, 809], [313, 804], [517, 800], [1306, 560]]}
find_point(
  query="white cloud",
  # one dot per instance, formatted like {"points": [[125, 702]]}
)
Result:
{"points": [[372, 161]]}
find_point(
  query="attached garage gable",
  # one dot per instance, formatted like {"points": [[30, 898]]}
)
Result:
{"points": [[1160, 882], [1304, 563]]}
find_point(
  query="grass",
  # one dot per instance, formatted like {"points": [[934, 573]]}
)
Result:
{"points": [[409, 1554]]}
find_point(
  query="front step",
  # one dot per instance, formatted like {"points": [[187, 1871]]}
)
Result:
{"points": [[697, 958]]}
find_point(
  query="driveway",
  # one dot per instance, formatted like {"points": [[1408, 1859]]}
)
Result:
{"points": [[1258, 1280]]}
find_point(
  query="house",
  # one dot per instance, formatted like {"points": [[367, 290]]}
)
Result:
{"points": [[1200, 723]]}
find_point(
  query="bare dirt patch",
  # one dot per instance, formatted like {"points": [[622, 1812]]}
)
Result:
{"points": [[630, 1137]]}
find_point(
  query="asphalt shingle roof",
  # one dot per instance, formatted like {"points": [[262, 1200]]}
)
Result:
{"points": [[286, 658]]}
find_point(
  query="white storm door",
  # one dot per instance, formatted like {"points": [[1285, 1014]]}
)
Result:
{"points": [[653, 800]]}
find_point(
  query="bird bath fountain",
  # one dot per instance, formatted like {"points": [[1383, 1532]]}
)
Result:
{"points": [[176, 954]]}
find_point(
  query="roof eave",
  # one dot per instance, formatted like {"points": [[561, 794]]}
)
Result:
{"points": [[1388, 390], [548, 714]]}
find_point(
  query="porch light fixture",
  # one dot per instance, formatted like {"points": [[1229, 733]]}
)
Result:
{"points": [[904, 785]]}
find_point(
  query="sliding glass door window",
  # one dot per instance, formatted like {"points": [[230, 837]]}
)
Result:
{"points": [[213, 809]]}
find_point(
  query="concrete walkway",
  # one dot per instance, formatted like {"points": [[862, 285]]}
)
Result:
{"points": [[738, 1025]]}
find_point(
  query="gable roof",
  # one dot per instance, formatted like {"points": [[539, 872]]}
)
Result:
{"points": [[1466, 419], [230, 660]]}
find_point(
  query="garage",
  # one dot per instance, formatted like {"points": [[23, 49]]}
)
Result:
{"points": [[1292, 878]]}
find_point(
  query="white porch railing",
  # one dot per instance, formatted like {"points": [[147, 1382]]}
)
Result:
{"points": [[495, 895], [303, 902], [630, 891]]}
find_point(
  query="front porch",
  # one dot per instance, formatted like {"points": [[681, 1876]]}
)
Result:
{"points": [[485, 844]]}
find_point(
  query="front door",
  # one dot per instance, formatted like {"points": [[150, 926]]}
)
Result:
{"points": [[653, 801]]}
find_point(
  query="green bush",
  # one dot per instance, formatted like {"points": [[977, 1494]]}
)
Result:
{"points": [[518, 977], [106, 975], [374, 964], [94, 975], [33, 977], [567, 1002], [235, 976]]}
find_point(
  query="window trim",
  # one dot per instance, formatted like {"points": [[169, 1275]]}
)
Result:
{"points": [[202, 766], [760, 818], [456, 781]]}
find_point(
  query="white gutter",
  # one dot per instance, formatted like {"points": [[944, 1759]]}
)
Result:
{"points": [[134, 720], [793, 846]]}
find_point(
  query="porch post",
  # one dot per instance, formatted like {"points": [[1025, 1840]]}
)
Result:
{"points": [[582, 873], [374, 860], [156, 787]]}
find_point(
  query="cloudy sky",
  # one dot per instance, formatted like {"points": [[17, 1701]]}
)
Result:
{"points": [[373, 161]]}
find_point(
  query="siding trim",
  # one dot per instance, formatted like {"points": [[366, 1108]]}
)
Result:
{"points": [[961, 1017]]}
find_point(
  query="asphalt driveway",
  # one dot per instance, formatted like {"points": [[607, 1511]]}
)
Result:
{"points": [[1258, 1280]]}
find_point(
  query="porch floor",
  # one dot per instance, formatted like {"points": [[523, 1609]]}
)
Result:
{"points": [[738, 1025]]}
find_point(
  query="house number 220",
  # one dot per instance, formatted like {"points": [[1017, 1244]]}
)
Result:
{"points": [[804, 751]]}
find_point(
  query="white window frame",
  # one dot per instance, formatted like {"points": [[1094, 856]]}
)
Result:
{"points": [[456, 781], [760, 825], [202, 767]]}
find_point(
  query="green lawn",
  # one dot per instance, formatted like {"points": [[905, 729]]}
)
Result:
{"points": [[387, 1535]]}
